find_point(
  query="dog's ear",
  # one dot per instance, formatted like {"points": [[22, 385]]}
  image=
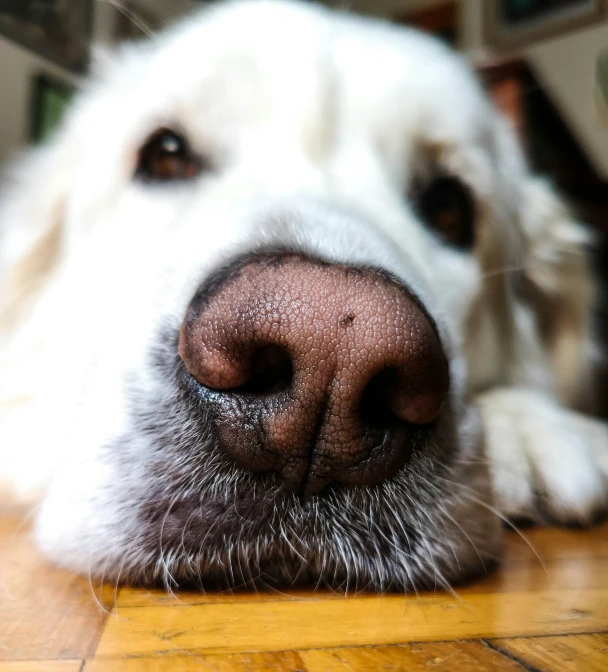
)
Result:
{"points": [[32, 215], [556, 282], [547, 250]]}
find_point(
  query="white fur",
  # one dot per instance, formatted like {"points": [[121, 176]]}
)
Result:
{"points": [[544, 459], [314, 121]]}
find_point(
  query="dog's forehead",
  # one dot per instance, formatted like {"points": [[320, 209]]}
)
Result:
{"points": [[260, 61]]}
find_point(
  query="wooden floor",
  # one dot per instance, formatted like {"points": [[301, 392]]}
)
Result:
{"points": [[523, 617]]}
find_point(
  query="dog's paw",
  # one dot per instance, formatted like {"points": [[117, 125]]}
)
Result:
{"points": [[547, 463]]}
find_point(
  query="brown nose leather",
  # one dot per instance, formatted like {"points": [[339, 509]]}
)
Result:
{"points": [[319, 372]]}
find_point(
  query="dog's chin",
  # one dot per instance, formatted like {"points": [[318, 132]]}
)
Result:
{"points": [[347, 540], [430, 526], [422, 529], [174, 511], [395, 537]]}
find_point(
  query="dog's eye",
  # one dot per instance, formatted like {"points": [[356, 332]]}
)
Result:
{"points": [[446, 205], [166, 156]]}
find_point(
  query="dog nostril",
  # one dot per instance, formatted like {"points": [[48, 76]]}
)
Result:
{"points": [[271, 371], [392, 397], [374, 409]]}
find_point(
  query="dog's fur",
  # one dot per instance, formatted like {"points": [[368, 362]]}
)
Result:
{"points": [[315, 126]]}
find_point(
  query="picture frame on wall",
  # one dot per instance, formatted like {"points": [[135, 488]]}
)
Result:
{"points": [[58, 30], [515, 23], [49, 100]]}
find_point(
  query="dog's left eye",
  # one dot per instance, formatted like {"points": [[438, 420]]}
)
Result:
{"points": [[447, 206], [167, 156]]}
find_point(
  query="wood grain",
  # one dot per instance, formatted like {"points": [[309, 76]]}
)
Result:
{"points": [[45, 613], [285, 661], [411, 657], [274, 626], [560, 654], [41, 666]]}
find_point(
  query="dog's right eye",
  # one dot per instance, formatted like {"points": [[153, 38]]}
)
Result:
{"points": [[166, 156], [447, 207]]}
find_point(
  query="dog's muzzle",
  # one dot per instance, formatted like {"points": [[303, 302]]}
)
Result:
{"points": [[322, 373]]}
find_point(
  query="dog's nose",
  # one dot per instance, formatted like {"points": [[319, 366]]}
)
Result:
{"points": [[319, 372]]}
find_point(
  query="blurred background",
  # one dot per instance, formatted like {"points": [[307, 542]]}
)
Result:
{"points": [[545, 61]]}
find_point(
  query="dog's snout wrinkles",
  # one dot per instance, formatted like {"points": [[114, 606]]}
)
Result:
{"points": [[319, 372]]}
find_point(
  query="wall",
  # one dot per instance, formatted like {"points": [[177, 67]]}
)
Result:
{"points": [[17, 70], [566, 65]]}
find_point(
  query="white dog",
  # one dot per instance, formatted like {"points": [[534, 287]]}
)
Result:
{"points": [[282, 303]]}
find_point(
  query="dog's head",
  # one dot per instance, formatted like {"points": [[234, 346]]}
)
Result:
{"points": [[249, 290]]}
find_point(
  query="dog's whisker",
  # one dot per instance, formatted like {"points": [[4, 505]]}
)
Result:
{"points": [[125, 557], [136, 19], [516, 268], [97, 598], [168, 575], [470, 494]]}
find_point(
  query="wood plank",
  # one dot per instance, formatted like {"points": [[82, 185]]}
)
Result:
{"points": [[275, 626], [41, 666], [560, 654], [411, 657], [284, 661], [45, 613], [414, 658], [137, 597]]}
